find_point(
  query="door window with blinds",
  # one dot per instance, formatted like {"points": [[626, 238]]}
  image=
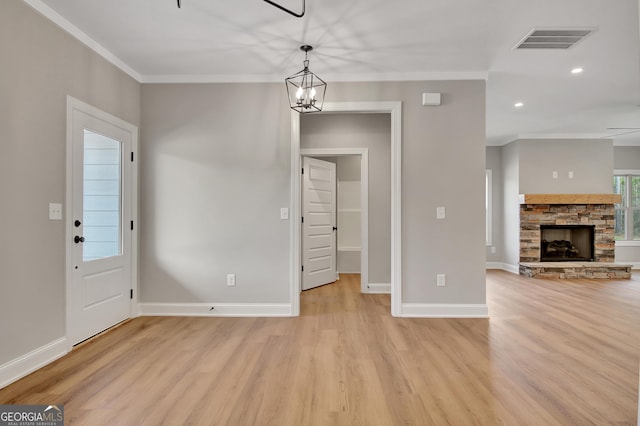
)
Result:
{"points": [[102, 189]]}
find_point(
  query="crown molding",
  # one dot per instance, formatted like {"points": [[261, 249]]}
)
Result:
{"points": [[76, 32], [330, 78]]}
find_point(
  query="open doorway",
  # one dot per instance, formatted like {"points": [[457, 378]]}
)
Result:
{"points": [[394, 111], [351, 255]]}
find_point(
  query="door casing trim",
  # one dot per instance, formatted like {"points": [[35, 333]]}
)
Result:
{"points": [[363, 153], [395, 109], [72, 105]]}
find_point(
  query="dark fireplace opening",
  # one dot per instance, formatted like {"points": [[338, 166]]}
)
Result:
{"points": [[567, 243]]}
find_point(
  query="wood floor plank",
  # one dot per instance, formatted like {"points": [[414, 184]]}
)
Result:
{"points": [[554, 352]]}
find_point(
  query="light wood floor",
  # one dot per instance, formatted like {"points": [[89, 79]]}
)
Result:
{"points": [[559, 352]]}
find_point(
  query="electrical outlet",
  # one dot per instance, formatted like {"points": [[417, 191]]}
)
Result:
{"points": [[493, 250], [570, 175], [555, 175], [440, 213], [441, 280], [231, 280]]}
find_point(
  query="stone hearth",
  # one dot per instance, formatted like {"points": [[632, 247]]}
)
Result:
{"points": [[597, 270], [569, 209]]}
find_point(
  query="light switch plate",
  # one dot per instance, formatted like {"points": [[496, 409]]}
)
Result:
{"points": [[55, 211], [440, 213], [441, 280], [231, 280], [555, 175], [284, 213]]}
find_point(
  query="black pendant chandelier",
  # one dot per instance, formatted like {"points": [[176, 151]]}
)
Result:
{"points": [[305, 89]]}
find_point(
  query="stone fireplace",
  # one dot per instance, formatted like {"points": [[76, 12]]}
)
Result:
{"points": [[569, 236]]}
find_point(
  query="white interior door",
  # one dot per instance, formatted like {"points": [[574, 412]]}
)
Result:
{"points": [[99, 283], [318, 223]]}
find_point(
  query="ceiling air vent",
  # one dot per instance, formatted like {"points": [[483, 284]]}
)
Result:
{"points": [[553, 39]]}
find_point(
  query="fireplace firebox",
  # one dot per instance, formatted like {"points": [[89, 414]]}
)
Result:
{"points": [[567, 243]]}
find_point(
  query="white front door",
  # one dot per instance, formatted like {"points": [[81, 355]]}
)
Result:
{"points": [[318, 223], [100, 223]]}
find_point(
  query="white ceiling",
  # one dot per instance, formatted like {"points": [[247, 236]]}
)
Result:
{"points": [[250, 40]]}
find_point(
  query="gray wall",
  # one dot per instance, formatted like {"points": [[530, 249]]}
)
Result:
{"points": [[626, 157], [349, 166], [528, 166], [443, 164], [494, 163], [41, 64], [372, 131], [215, 171], [591, 161]]}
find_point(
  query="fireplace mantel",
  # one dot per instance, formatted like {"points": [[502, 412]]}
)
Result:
{"points": [[570, 198]]}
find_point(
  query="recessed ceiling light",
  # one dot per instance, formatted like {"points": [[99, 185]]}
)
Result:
{"points": [[576, 70], [518, 105]]}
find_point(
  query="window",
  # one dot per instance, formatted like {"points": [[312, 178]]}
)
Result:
{"points": [[487, 198], [102, 209], [627, 213]]}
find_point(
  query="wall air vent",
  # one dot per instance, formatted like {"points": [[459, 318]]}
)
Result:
{"points": [[553, 38]]}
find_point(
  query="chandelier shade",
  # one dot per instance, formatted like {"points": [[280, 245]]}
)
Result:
{"points": [[305, 89]]}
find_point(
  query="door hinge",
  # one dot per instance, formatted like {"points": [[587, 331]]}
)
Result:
{"points": [[131, 155], [303, 170], [131, 294], [302, 219], [302, 268], [132, 225]]}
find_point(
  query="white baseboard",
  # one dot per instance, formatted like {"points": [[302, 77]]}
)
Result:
{"points": [[379, 288], [30, 362], [216, 309], [444, 310], [514, 269]]}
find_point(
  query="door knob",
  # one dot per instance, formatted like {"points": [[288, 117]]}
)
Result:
{"points": [[77, 239], [77, 223]]}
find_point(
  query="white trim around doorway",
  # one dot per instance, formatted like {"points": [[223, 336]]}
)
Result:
{"points": [[395, 109], [74, 104]]}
